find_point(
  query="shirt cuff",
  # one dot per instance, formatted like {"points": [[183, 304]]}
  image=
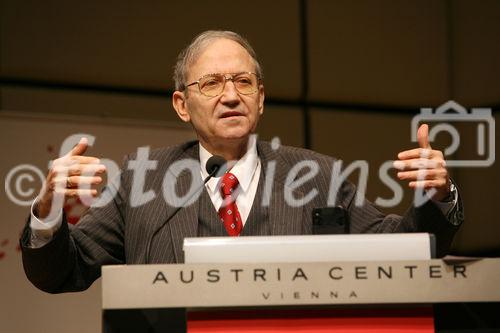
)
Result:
{"points": [[447, 206], [42, 230]]}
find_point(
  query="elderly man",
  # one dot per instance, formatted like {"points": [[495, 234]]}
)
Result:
{"points": [[219, 90]]}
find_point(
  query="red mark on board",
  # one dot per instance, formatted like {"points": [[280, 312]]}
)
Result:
{"points": [[4, 243]]}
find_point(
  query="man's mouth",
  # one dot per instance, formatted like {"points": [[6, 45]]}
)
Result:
{"points": [[231, 114]]}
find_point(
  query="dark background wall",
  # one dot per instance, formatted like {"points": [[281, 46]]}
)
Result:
{"points": [[342, 77]]}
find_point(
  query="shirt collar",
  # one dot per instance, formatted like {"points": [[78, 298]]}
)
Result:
{"points": [[244, 168]]}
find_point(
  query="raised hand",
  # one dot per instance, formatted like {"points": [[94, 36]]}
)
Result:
{"points": [[71, 175], [424, 167]]}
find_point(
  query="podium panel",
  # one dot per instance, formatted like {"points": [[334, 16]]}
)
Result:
{"points": [[408, 320], [303, 297]]}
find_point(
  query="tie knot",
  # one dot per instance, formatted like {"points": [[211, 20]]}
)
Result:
{"points": [[228, 184]]}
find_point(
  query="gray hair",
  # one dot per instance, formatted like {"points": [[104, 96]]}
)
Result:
{"points": [[189, 55]]}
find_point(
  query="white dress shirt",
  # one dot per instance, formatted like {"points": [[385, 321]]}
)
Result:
{"points": [[246, 170]]}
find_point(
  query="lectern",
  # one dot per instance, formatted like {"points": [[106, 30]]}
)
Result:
{"points": [[263, 295]]}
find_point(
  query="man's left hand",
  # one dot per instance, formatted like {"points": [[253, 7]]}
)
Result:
{"points": [[424, 167]]}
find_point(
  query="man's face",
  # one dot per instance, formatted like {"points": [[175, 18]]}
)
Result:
{"points": [[230, 116]]}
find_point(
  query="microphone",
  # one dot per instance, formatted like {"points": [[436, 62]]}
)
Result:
{"points": [[216, 165]]}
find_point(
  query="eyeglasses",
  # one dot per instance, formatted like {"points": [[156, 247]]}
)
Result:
{"points": [[211, 85]]}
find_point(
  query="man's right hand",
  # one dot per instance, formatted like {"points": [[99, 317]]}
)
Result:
{"points": [[71, 175]]}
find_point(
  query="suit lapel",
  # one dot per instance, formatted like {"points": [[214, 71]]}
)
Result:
{"points": [[183, 225], [283, 218], [185, 222]]}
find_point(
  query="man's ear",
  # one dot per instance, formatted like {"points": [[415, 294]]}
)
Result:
{"points": [[179, 104], [261, 99]]}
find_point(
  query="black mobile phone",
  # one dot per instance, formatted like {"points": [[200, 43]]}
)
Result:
{"points": [[330, 220]]}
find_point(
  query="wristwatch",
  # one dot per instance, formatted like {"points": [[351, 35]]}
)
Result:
{"points": [[456, 213]]}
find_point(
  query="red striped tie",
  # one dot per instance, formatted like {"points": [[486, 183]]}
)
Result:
{"points": [[228, 212]]}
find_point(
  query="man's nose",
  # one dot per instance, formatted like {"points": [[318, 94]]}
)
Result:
{"points": [[230, 94]]}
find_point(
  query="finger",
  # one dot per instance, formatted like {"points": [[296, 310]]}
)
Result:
{"points": [[86, 169], [423, 136], [85, 159], [75, 169], [428, 184], [417, 153], [422, 174], [80, 148], [418, 163], [80, 181], [77, 192], [73, 182]]}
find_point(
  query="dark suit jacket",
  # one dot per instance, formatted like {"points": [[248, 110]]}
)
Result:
{"points": [[117, 233]]}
